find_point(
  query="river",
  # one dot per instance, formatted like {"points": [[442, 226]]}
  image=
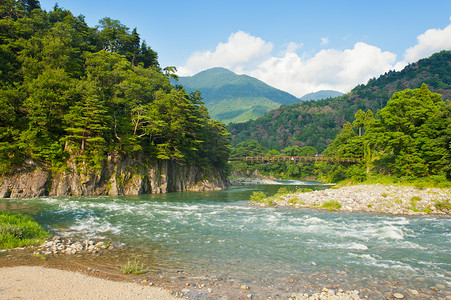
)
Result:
{"points": [[218, 236]]}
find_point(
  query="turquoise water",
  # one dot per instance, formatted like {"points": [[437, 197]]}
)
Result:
{"points": [[219, 235]]}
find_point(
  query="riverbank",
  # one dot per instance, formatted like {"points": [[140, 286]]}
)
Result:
{"points": [[389, 199], [27, 274], [36, 282]]}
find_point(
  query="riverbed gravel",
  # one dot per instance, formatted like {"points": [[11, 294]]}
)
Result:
{"points": [[389, 199]]}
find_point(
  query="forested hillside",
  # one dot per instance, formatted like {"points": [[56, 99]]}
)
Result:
{"points": [[72, 92], [409, 138], [235, 98], [317, 123]]}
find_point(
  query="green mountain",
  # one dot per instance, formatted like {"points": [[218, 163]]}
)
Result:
{"points": [[235, 98], [317, 123], [323, 94]]}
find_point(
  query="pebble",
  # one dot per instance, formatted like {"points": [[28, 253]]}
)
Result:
{"points": [[59, 245], [415, 292], [398, 296], [379, 198], [328, 294], [244, 287]]}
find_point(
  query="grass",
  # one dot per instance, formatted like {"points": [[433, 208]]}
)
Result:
{"points": [[135, 267], [18, 230], [331, 205]]}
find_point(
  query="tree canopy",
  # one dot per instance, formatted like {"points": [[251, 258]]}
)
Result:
{"points": [[409, 138], [68, 91]]}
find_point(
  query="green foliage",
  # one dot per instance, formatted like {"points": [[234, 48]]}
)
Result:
{"points": [[19, 230], [258, 196], [303, 190], [262, 198], [282, 191], [405, 140], [407, 134], [317, 123], [443, 204], [68, 91], [331, 205], [414, 202], [288, 169], [135, 267]]}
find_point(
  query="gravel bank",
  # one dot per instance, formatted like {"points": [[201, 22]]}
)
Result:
{"points": [[389, 199]]}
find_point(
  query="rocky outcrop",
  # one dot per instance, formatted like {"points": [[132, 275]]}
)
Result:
{"points": [[118, 176]]}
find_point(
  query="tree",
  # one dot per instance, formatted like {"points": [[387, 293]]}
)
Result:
{"points": [[147, 57], [29, 5], [346, 144], [87, 126], [48, 99], [63, 98], [405, 133], [363, 120]]}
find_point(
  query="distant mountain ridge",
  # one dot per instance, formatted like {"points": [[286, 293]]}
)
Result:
{"points": [[323, 94], [235, 98], [317, 122]]}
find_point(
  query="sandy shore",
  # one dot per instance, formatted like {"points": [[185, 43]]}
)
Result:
{"points": [[35, 282]]}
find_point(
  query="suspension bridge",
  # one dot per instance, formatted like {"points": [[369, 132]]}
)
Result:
{"points": [[268, 159]]}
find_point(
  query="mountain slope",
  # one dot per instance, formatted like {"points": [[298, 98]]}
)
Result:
{"points": [[235, 98], [323, 94], [317, 123]]}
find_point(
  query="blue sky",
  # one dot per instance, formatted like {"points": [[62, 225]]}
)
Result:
{"points": [[298, 46]]}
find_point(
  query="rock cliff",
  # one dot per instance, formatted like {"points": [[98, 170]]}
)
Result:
{"points": [[117, 176]]}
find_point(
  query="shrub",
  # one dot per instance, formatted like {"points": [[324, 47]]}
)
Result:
{"points": [[443, 204], [282, 191], [414, 201], [292, 201], [258, 197], [332, 205], [18, 230], [303, 190]]}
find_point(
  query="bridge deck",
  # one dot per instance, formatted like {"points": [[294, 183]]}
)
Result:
{"points": [[294, 158]]}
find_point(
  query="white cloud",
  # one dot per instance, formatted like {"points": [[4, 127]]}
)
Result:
{"points": [[333, 69], [328, 69], [292, 47], [324, 41], [240, 52], [433, 40]]}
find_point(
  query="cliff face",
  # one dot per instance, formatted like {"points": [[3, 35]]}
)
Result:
{"points": [[118, 176]]}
